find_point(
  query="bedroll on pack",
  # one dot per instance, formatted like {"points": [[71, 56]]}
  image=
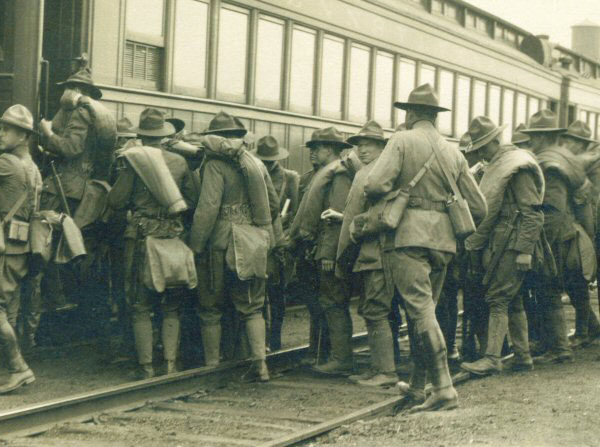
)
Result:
{"points": [[106, 135]]}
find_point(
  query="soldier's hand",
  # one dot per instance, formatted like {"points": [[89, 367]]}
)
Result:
{"points": [[331, 215], [524, 262], [46, 127], [327, 265]]}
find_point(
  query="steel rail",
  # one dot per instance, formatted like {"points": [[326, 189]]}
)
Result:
{"points": [[37, 418]]}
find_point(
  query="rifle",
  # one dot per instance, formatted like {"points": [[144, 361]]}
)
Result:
{"points": [[59, 189]]}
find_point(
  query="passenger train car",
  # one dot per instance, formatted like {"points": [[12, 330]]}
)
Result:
{"points": [[287, 67]]}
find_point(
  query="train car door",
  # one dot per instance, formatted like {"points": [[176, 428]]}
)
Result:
{"points": [[65, 38]]}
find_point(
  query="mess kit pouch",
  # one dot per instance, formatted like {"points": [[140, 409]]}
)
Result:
{"points": [[250, 246], [8, 218], [168, 263]]}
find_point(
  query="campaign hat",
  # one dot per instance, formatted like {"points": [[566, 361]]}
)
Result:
{"points": [[268, 149], [124, 126], [329, 135], [482, 130], [153, 124], [83, 77], [518, 136], [543, 121], [19, 116], [464, 142], [223, 122], [178, 124], [580, 131], [371, 130], [422, 96]]}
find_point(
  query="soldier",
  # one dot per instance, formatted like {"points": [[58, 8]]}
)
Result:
{"points": [[319, 220], [577, 139], [151, 217], [414, 261], [232, 207], [286, 184], [20, 183], [375, 300], [520, 139], [564, 176], [513, 185], [71, 139]]}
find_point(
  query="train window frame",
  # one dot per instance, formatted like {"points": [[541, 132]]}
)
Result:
{"points": [[269, 103], [234, 96], [148, 38], [188, 90], [300, 108], [390, 116], [425, 67], [458, 129], [492, 100], [402, 90], [521, 105], [475, 107], [330, 113], [351, 115], [445, 120]]}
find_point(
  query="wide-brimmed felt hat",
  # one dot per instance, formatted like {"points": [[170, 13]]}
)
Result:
{"points": [[465, 141], [422, 96], [329, 135], [178, 124], [83, 77], [124, 126], [18, 116], [153, 124], [371, 131], [543, 121], [518, 136], [223, 122], [482, 130], [580, 131], [268, 149]]}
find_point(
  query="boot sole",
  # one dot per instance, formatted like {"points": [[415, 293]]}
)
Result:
{"points": [[25, 382], [438, 406], [480, 373]]}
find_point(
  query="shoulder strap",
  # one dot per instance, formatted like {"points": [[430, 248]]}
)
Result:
{"points": [[16, 207], [438, 155], [421, 173]]}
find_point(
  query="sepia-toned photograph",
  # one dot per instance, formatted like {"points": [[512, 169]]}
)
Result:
{"points": [[309, 223]]}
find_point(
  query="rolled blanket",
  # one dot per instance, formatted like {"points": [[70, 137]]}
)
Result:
{"points": [[150, 166]]}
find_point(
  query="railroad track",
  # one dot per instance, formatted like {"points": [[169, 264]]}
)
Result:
{"points": [[206, 406]]}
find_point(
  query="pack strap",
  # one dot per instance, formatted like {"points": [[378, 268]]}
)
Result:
{"points": [[438, 155]]}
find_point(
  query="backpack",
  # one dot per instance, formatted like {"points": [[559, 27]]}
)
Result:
{"points": [[106, 136]]}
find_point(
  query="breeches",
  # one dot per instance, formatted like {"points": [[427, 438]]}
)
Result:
{"points": [[333, 292], [12, 270], [223, 288], [503, 293], [418, 275], [375, 301]]}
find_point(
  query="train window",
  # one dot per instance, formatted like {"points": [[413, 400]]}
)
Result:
{"points": [[446, 92], [437, 7], [269, 61], [384, 81], [521, 108], [407, 70], [358, 95], [470, 20], [231, 60], [534, 105], [507, 112], [189, 48], [451, 11], [479, 92], [142, 65], [427, 75], [332, 76], [494, 104], [302, 76], [461, 107], [146, 17]]}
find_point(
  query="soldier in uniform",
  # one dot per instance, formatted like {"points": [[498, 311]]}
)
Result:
{"points": [[578, 139], [415, 262], [286, 184], [20, 183], [229, 209], [564, 176], [151, 218], [520, 139], [513, 185], [375, 300], [319, 220]]}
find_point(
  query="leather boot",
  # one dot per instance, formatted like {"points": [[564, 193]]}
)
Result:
{"points": [[593, 327], [340, 334], [519, 335], [258, 371], [556, 331], [19, 372], [142, 331], [211, 342], [490, 364], [413, 392], [382, 354], [170, 339], [443, 396]]}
